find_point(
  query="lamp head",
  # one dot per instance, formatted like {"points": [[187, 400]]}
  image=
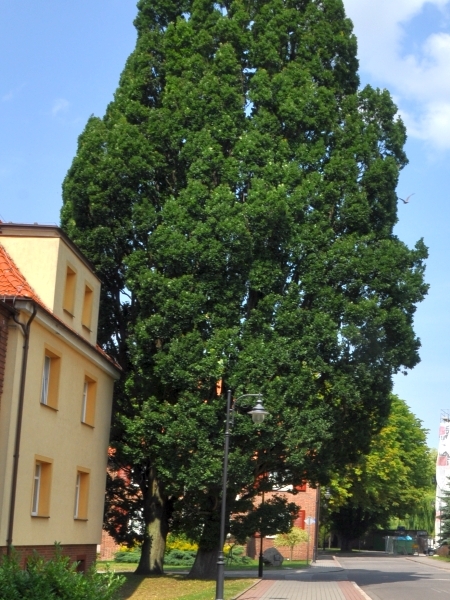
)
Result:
{"points": [[258, 412]]}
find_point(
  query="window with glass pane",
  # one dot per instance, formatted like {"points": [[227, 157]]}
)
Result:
{"points": [[37, 485], [42, 480], [88, 401], [77, 496], [45, 380], [81, 494], [50, 379]]}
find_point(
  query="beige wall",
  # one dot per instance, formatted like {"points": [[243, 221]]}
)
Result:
{"points": [[37, 259], [43, 261], [8, 413], [56, 434]]}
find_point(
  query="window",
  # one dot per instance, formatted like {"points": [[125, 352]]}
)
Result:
{"points": [[300, 520], [87, 307], [69, 291], [81, 494], [40, 504], [301, 488], [88, 402], [50, 379]]}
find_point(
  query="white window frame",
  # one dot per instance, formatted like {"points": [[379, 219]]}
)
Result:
{"points": [[36, 489], [85, 400], [77, 495], [46, 380]]}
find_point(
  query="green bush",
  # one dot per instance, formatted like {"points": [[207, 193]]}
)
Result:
{"points": [[55, 579], [128, 556], [235, 556], [180, 558]]}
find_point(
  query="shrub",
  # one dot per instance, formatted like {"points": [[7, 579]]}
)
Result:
{"points": [[235, 555], [55, 579], [180, 558], [128, 556], [179, 542]]}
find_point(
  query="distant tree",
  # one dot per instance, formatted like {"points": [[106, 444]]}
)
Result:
{"points": [[423, 514], [390, 481], [292, 538], [445, 517], [238, 199]]}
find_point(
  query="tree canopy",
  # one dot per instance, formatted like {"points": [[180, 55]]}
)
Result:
{"points": [[392, 480], [238, 200]]}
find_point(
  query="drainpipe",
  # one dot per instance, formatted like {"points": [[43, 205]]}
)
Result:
{"points": [[12, 504]]}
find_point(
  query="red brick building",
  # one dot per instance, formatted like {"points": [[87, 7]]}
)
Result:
{"points": [[307, 499]]}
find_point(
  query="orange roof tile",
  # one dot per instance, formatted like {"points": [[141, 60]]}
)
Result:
{"points": [[12, 282]]}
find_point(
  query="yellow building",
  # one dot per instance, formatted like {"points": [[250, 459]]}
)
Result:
{"points": [[56, 388]]}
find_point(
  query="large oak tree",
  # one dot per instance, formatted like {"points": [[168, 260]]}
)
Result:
{"points": [[238, 199]]}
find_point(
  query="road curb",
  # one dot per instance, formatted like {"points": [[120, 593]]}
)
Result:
{"points": [[361, 591], [250, 587], [337, 562], [434, 566]]}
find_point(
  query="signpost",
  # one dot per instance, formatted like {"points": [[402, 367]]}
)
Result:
{"points": [[309, 521]]}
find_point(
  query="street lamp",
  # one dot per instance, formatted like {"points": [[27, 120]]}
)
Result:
{"points": [[258, 413]]}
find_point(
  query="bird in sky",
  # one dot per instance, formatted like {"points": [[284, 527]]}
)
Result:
{"points": [[406, 200]]}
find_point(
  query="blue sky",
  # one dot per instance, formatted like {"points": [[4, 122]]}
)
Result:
{"points": [[60, 62]]}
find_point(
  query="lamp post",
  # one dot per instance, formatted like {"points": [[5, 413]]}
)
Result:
{"points": [[258, 414], [261, 558], [327, 495]]}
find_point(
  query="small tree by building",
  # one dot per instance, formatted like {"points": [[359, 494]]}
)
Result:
{"points": [[291, 539], [444, 537]]}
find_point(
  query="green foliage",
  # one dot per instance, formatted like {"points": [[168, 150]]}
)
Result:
{"points": [[180, 542], [128, 556], [235, 556], [273, 516], [445, 518], [390, 481], [423, 514], [56, 578], [292, 538], [180, 557], [238, 200]]}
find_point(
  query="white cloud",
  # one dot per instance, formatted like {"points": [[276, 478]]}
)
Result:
{"points": [[60, 105], [417, 76], [12, 93]]}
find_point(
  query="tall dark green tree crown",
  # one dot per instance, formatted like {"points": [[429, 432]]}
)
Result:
{"points": [[238, 199]]}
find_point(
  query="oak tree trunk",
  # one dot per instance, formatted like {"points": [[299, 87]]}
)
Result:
{"points": [[205, 565], [156, 528]]}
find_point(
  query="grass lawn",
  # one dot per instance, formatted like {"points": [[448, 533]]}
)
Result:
{"points": [[177, 587], [251, 567]]}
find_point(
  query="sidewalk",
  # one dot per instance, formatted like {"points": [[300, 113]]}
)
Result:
{"points": [[304, 590], [433, 562], [322, 566], [291, 584]]}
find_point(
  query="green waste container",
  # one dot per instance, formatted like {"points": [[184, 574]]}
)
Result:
{"points": [[403, 546]]}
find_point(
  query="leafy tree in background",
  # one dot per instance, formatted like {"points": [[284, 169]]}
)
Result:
{"points": [[423, 514], [238, 200], [390, 481], [292, 538]]}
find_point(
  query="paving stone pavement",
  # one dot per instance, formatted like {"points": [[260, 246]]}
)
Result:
{"points": [[304, 590], [300, 585]]}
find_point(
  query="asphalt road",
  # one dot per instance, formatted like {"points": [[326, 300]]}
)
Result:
{"points": [[397, 578]]}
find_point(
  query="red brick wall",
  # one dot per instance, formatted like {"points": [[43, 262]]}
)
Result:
{"points": [[108, 547], [307, 502], [85, 554], [4, 318]]}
